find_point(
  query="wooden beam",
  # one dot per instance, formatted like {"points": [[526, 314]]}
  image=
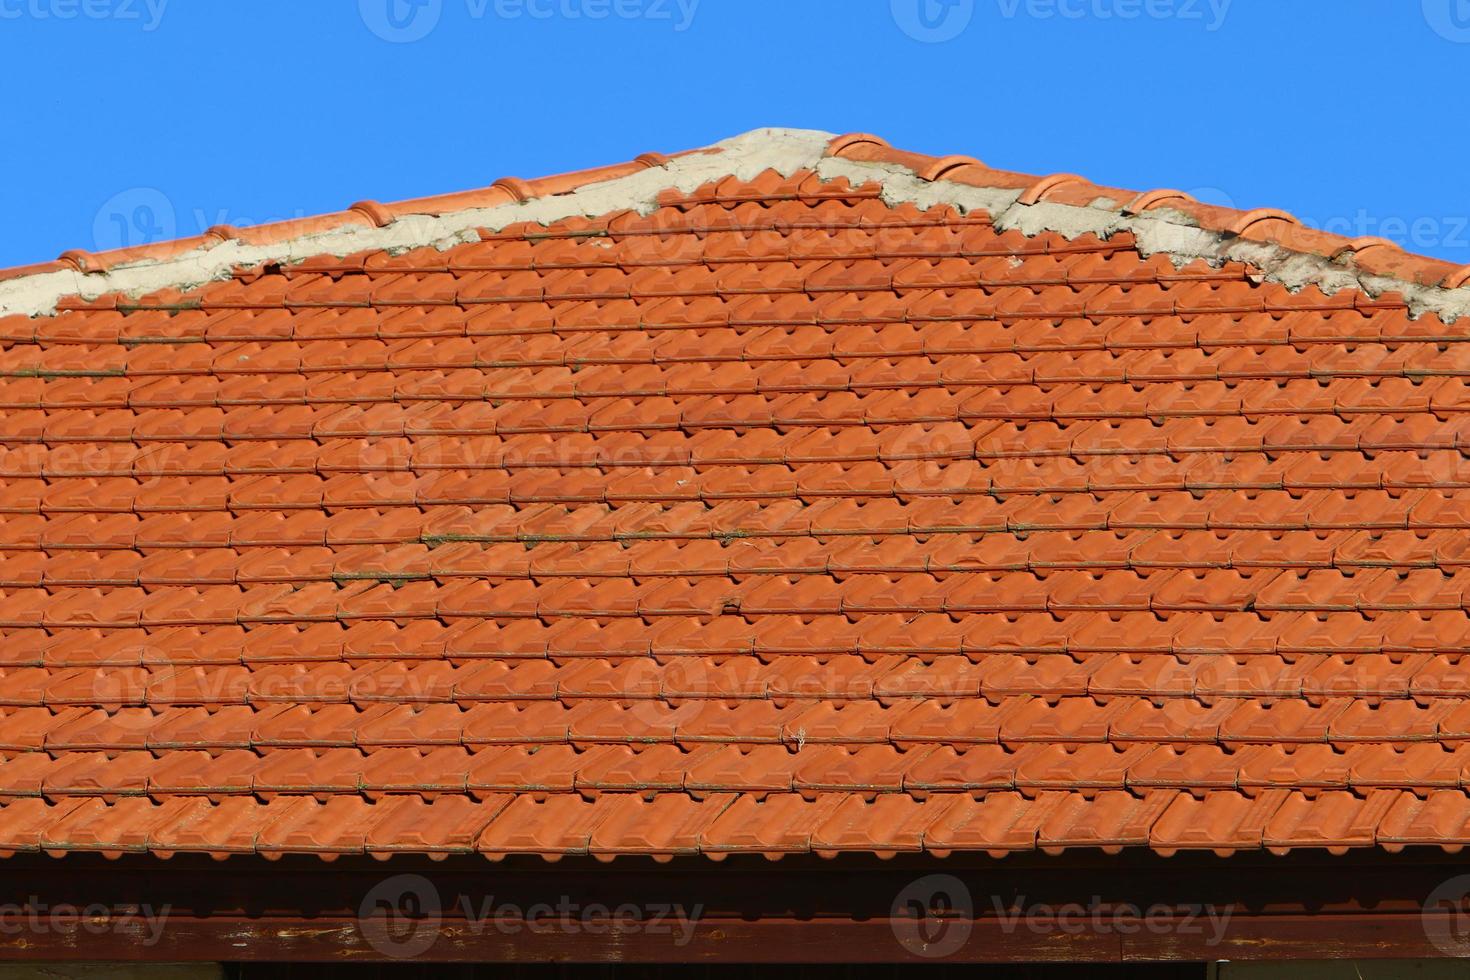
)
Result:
{"points": [[1032, 909]]}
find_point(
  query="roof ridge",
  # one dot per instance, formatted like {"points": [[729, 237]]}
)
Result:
{"points": [[1163, 221], [1166, 221]]}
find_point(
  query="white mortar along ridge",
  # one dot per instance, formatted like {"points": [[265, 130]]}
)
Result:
{"points": [[744, 157]]}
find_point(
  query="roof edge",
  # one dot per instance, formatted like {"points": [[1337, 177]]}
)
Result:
{"points": [[438, 222], [1161, 221]]}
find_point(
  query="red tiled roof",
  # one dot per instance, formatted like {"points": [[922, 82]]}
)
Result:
{"points": [[788, 516]]}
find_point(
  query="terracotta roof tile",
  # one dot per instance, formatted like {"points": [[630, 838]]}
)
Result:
{"points": [[771, 517]]}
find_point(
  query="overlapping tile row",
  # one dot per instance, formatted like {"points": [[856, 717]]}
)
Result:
{"points": [[776, 520]]}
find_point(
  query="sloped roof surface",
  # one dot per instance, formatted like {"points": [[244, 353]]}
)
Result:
{"points": [[836, 506]]}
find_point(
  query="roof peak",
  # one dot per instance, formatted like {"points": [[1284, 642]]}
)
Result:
{"points": [[1162, 221]]}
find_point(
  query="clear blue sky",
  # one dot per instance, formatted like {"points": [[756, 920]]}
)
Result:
{"points": [[129, 119]]}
